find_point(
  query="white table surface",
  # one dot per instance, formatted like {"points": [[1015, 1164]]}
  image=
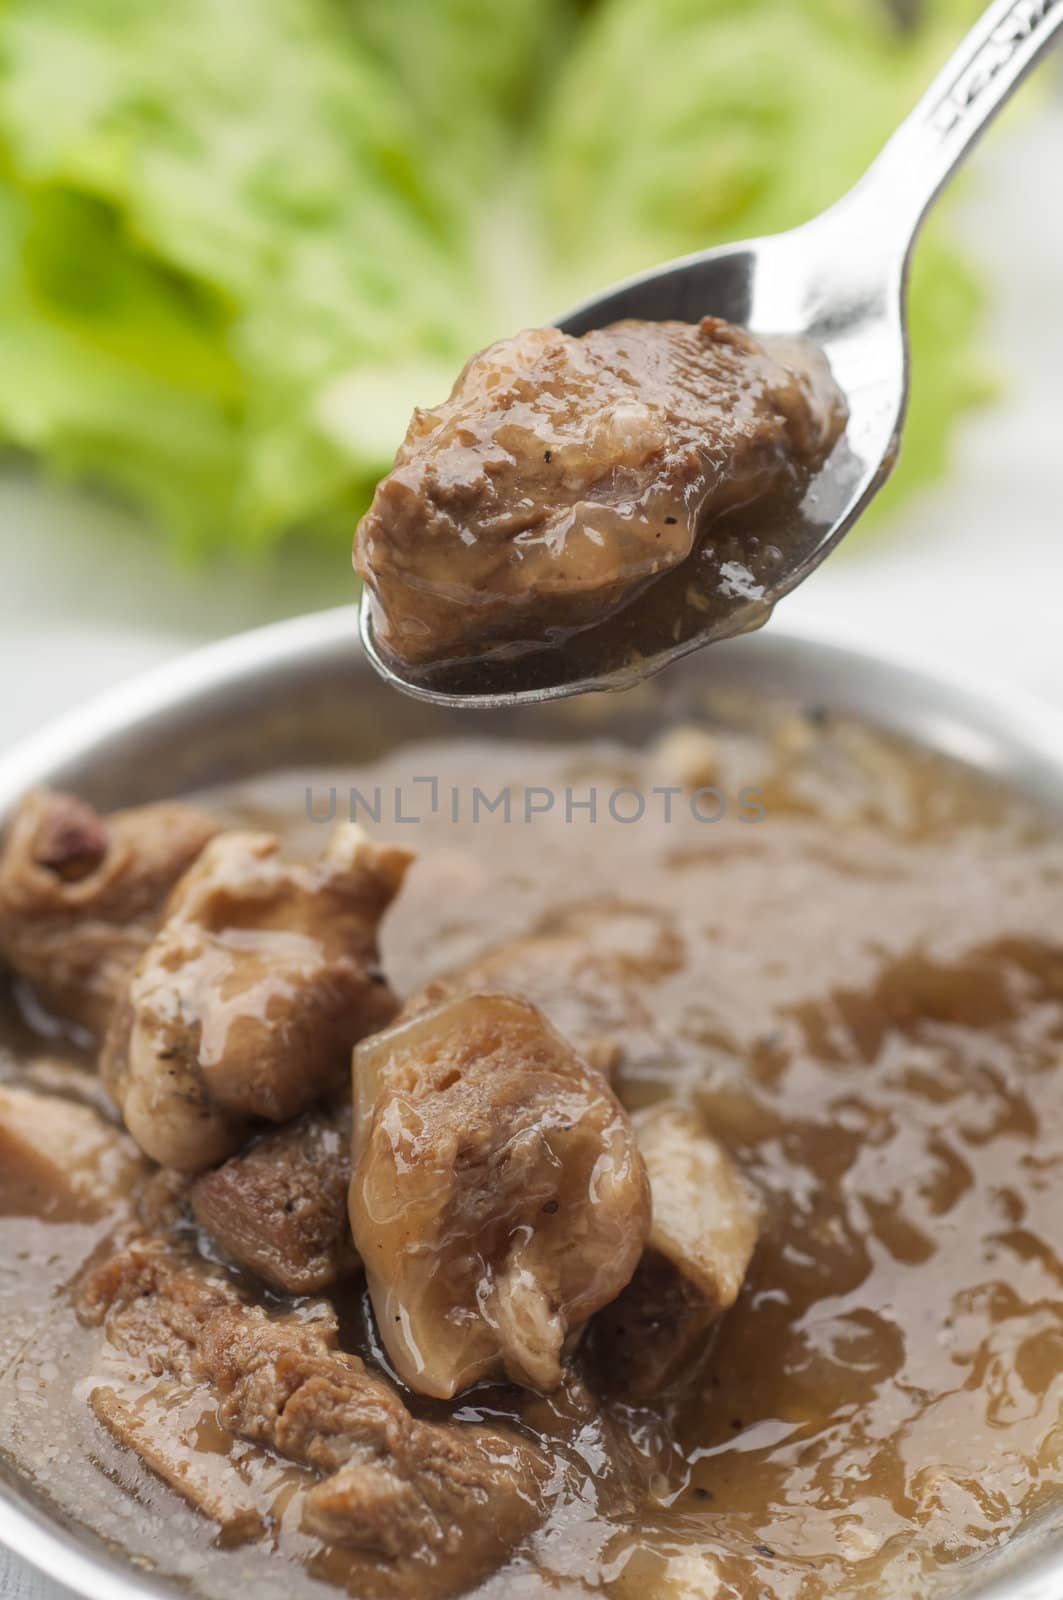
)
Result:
{"points": [[972, 573]]}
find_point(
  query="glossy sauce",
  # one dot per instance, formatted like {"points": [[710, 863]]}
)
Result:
{"points": [[862, 993], [580, 506]]}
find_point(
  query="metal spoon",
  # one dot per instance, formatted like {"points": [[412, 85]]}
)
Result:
{"points": [[839, 281]]}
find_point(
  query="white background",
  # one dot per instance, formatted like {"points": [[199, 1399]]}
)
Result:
{"points": [[973, 572]]}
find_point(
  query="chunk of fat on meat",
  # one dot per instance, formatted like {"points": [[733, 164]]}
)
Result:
{"points": [[705, 1213], [498, 1197], [705, 1225], [61, 1161], [433, 1507], [247, 1002], [81, 894], [279, 1207]]}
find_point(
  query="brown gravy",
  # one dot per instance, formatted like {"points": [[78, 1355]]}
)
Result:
{"points": [[856, 976]]}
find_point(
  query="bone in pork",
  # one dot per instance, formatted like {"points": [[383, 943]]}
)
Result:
{"points": [[81, 894]]}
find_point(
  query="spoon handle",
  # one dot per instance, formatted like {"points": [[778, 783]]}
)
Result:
{"points": [[963, 99]]}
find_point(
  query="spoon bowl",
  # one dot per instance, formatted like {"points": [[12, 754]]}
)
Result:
{"points": [[840, 282]]}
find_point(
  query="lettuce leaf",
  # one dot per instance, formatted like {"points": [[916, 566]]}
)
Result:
{"points": [[240, 241], [110, 370], [253, 163]]}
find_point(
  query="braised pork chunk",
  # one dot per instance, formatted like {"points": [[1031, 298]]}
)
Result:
{"points": [[565, 474], [246, 1004], [440, 1506], [498, 1198], [705, 1222], [62, 1161], [279, 1208], [81, 894]]}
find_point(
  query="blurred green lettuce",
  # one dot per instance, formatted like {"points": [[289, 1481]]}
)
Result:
{"points": [[241, 239]]}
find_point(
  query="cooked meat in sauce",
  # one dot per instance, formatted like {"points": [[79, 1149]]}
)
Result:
{"points": [[564, 475], [714, 1174], [279, 1208], [81, 894], [498, 1198], [59, 1160], [248, 1000], [436, 1499], [699, 1249]]}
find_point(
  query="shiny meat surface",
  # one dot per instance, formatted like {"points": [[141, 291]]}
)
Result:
{"points": [[61, 1161], [248, 1000], [564, 475], [279, 1208], [860, 998], [437, 1506], [498, 1197], [81, 894], [705, 1222]]}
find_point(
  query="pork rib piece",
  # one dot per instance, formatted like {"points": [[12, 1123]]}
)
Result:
{"points": [[81, 894], [249, 999]]}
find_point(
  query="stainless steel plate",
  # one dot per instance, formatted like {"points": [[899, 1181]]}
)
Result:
{"points": [[301, 693]]}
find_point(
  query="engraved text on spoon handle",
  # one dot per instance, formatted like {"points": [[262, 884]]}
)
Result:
{"points": [[981, 76]]}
